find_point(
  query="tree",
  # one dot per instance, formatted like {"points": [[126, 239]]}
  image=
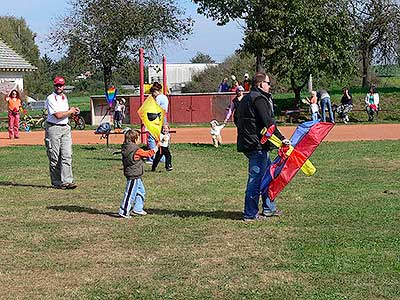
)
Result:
{"points": [[20, 38], [201, 58], [376, 24], [110, 31], [292, 38]]}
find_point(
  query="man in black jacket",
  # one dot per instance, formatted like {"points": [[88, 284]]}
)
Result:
{"points": [[254, 113]]}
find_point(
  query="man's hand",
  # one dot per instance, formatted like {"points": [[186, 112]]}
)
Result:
{"points": [[74, 110]]}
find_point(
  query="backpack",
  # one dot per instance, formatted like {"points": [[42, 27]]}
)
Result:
{"points": [[104, 128]]}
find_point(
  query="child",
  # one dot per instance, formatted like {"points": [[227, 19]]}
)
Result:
{"points": [[133, 164], [314, 106], [119, 113], [216, 133], [163, 150], [14, 106]]}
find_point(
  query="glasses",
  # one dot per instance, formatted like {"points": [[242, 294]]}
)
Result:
{"points": [[153, 116], [268, 82], [58, 85]]}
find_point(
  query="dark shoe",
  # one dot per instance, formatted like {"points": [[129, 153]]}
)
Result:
{"points": [[68, 186], [71, 186], [169, 168], [257, 218], [60, 187]]}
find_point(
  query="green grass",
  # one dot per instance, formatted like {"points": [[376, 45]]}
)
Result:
{"points": [[338, 238]]}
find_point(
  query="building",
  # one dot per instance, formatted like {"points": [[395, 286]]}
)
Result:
{"points": [[177, 74], [12, 67]]}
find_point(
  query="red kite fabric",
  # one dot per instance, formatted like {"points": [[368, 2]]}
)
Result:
{"points": [[305, 140]]}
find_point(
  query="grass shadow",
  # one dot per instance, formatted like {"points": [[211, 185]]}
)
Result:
{"points": [[9, 183], [82, 209], [218, 214]]}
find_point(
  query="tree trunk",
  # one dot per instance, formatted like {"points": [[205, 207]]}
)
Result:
{"points": [[365, 68], [107, 74], [297, 90], [259, 66]]}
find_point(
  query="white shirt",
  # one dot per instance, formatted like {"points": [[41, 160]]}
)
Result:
{"points": [[164, 140], [54, 104], [314, 107], [217, 129], [162, 100]]}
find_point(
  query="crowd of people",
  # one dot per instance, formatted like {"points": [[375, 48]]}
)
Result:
{"points": [[226, 86]]}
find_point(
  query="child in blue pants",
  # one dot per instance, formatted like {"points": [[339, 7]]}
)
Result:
{"points": [[132, 160]]}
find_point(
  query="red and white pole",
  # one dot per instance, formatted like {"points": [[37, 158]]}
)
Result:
{"points": [[164, 67], [143, 136]]}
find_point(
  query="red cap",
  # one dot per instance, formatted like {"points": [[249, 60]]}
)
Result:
{"points": [[59, 80]]}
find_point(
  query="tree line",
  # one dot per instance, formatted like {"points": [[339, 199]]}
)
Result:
{"points": [[291, 39]]}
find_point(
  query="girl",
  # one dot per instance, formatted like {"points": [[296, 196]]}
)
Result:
{"points": [[163, 150], [133, 164], [215, 132], [372, 103], [119, 113], [314, 106], [14, 106]]}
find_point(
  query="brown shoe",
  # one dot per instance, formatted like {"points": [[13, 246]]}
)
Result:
{"points": [[71, 186], [60, 187]]}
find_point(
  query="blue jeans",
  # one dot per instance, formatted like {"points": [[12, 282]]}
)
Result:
{"points": [[151, 142], [314, 116], [326, 102], [134, 195], [258, 163]]}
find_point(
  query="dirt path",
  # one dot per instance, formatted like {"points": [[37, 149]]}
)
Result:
{"points": [[340, 133]]}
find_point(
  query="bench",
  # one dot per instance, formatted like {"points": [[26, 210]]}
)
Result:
{"points": [[295, 114], [106, 135]]}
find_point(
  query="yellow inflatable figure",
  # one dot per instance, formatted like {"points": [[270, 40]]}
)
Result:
{"points": [[152, 116]]}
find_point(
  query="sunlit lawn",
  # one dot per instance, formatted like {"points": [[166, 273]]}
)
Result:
{"points": [[338, 239]]}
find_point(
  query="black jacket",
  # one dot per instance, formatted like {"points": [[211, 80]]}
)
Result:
{"points": [[254, 113]]}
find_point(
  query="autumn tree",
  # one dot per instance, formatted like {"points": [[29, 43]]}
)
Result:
{"points": [[110, 31], [376, 27], [291, 38]]}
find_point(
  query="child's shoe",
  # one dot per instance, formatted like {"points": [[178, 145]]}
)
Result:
{"points": [[125, 216], [140, 213]]}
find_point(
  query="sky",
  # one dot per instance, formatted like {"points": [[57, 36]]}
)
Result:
{"points": [[217, 41]]}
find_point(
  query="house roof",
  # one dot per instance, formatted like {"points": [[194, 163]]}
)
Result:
{"points": [[11, 61]]}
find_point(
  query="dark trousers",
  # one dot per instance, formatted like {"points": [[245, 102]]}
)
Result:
{"points": [[168, 158]]}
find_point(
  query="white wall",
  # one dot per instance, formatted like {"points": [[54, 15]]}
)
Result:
{"points": [[177, 74], [14, 77]]}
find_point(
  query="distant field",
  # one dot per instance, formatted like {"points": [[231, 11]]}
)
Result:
{"points": [[338, 238]]}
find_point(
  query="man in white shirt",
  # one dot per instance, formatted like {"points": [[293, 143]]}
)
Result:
{"points": [[58, 137]]}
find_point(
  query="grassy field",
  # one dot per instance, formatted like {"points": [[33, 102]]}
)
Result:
{"points": [[338, 239]]}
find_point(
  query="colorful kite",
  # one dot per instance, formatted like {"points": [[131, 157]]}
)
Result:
{"points": [[290, 159], [152, 116], [111, 95]]}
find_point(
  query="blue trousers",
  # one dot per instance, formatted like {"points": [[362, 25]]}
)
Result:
{"points": [[134, 195], [151, 142], [258, 163], [326, 103]]}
